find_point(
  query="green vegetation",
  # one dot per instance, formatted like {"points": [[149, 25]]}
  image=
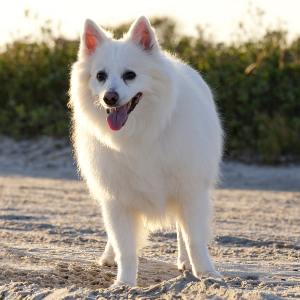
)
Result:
{"points": [[256, 83]]}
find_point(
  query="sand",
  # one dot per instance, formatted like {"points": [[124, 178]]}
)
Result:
{"points": [[52, 234]]}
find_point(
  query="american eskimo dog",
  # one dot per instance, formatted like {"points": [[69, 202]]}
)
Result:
{"points": [[148, 143]]}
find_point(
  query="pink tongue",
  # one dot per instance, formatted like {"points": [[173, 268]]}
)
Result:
{"points": [[117, 117]]}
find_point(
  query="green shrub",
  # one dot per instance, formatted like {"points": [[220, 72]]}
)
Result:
{"points": [[34, 85], [256, 84]]}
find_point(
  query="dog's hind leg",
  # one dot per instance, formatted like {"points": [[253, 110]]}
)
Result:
{"points": [[108, 257], [183, 257], [122, 225], [193, 219]]}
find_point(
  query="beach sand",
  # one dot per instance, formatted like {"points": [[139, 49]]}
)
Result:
{"points": [[52, 234]]}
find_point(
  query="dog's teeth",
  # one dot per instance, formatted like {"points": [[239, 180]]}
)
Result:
{"points": [[128, 104]]}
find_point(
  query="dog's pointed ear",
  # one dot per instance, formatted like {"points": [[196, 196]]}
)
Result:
{"points": [[92, 37], [142, 34]]}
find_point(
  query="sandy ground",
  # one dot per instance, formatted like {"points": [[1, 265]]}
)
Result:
{"points": [[52, 234]]}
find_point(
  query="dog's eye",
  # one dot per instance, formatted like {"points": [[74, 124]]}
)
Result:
{"points": [[129, 75], [102, 76]]}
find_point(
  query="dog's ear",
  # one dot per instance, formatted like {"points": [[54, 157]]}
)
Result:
{"points": [[142, 34], [92, 37]]}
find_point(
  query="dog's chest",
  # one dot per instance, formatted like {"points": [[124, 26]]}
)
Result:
{"points": [[134, 177]]}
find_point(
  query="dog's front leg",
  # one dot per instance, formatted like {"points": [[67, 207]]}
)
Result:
{"points": [[193, 220], [121, 223]]}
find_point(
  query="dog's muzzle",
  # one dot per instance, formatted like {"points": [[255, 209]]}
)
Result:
{"points": [[117, 116]]}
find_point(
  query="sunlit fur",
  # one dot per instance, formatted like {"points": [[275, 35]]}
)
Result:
{"points": [[162, 163]]}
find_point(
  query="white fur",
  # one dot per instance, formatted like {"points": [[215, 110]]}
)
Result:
{"points": [[163, 162]]}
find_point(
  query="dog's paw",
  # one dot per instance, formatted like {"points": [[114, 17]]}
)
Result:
{"points": [[119, 283], [107, 260], [184, 265], [213, 274]]}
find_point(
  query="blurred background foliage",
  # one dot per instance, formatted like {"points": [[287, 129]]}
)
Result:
{"points": [[255, 80]]}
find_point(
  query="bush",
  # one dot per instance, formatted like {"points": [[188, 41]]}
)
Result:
{"points": [[34, 84], [256, 84]]}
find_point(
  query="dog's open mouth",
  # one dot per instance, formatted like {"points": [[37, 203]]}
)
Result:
{"points": [[117, 116]]}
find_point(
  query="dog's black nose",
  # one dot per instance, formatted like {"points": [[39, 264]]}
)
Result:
{"points": [[111, 98]]}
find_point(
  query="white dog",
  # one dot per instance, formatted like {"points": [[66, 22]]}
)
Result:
{"points": [[148, 143]]}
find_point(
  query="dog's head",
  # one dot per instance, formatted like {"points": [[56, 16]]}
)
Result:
{"points": [[127, 79], [117, 79]]}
